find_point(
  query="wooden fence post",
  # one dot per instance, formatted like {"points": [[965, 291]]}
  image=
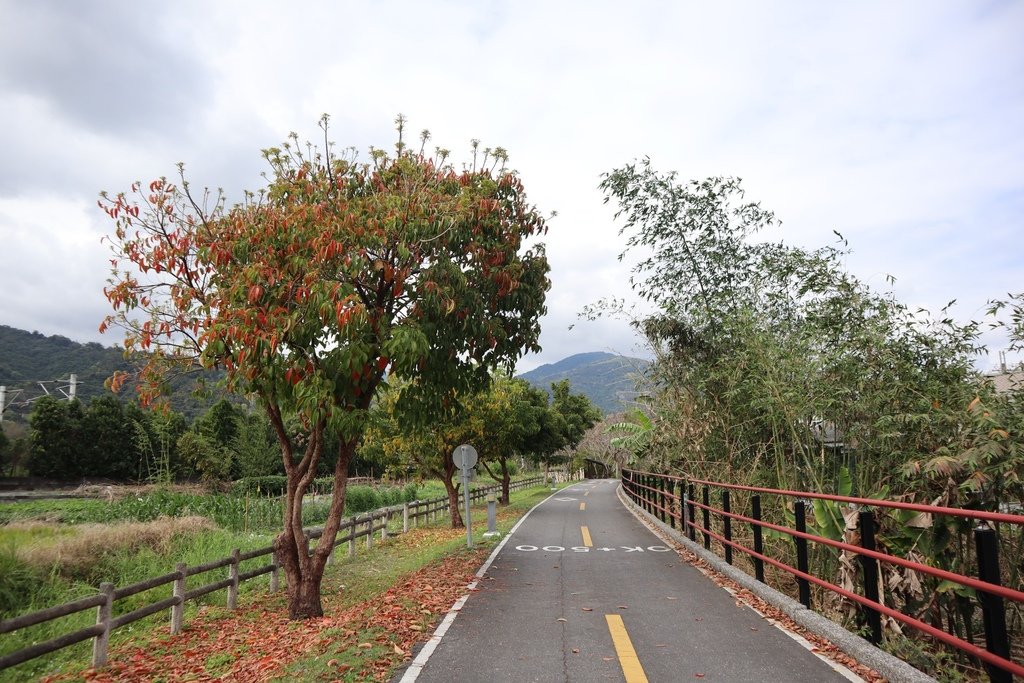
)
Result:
{"points": [[352, 538], [232, 573], [178, 611], [101, 643], [369, 533], [384, 531], [405, 518]]}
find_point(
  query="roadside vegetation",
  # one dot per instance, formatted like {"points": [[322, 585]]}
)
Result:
{"points": [[776, 367], [45, 564]]}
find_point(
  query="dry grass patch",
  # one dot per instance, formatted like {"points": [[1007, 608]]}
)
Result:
{"points": [[74, 555]]}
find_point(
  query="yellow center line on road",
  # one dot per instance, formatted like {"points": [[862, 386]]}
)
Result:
{"points": [[628, 660], [583, 506], [586, 537], [587, 493]]}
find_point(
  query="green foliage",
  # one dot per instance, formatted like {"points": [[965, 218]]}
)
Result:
{"points": [[775, 366], [210, 459], [269, 485], [19, 580], [5, 448], [256, 451], [576, 410], [56, 431], [108, 440], [634, 432]]}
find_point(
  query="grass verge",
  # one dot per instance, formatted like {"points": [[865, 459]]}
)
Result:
{"points": [[416, 576]]}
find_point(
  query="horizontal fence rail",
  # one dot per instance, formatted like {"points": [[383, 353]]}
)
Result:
{"points": [[673, 499], [361, 526]]}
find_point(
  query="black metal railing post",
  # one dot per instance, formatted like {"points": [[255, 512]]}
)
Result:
{"points": [[869, 565], [993, 612], [726, 525], [665, 512], [801, 554], [691, 531], [755, 512], [706, 499], [672, 516]]}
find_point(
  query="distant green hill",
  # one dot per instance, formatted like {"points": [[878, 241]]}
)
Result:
{"points": [[28, 358], [608, 380]]}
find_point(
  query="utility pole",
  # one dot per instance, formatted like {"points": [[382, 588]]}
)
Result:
{"points": [[3, 397]]}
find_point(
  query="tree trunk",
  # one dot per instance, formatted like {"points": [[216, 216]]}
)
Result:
{"points": [[304, 601], [505, 478], [303, 583], [453, 503], [304, 570]]}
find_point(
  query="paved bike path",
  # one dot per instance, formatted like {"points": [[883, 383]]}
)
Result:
{"points": [[581, 580]]}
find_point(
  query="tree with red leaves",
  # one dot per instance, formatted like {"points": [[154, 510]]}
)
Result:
{"points": [[315, 290]]}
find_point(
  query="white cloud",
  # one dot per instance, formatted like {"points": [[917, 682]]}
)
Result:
{"points": [[896, 124]]}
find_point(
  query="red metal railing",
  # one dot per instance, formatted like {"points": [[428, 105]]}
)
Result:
{"points": [[672, 499]]}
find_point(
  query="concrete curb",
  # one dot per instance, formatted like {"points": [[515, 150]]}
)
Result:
{"points": [[893, 668]]}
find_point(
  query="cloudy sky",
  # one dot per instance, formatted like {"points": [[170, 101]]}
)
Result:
{"points": [[899, 124]]}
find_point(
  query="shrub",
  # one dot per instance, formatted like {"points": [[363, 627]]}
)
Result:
{"points": [[361, 499], [80, 555], [270, 485], [19, 580]]}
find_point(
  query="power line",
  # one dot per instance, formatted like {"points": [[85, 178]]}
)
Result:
{"points": [[68, 388]]}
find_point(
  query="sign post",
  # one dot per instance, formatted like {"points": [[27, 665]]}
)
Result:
{"points": [[465, 457]]}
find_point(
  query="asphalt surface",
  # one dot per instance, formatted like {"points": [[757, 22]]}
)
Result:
{"points": [[547, 609]]}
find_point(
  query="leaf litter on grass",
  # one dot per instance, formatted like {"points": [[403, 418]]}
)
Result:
{"points": [[257, 642]]}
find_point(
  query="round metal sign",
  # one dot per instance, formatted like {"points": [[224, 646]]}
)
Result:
{"points": [[464, 457]]}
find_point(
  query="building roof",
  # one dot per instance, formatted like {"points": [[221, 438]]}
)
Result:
{"points": [[1005, 382]]}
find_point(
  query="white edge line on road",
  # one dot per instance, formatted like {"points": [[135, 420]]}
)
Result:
{"points": [[413, 672]]}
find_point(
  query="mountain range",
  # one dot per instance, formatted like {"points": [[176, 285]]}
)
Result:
{"points": [[608, 380], [28, 359]]}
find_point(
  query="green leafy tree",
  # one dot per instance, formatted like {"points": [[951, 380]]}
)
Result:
{"points": [[206, 456], [55, 430], [764, 350], [426, 449], [156, 437], [577, 411], [633, 433], [257, 453], [5, 448], [221, 422], [306, 294], [109, 447], [506, 418]]}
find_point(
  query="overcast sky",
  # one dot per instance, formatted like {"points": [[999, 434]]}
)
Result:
{"points": [[898, 124]]}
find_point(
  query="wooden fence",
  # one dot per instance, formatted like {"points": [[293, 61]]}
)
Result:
{"points": [[361, 526]]}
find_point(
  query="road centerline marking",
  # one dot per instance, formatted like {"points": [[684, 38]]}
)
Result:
{"points": [[628, 660], [583, 506], [586, 537]]}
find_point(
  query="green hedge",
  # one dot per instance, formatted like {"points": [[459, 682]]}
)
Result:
{"points": [[358, 498]]}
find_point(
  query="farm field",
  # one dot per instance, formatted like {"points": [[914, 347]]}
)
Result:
{"points": [[55, 551]]}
